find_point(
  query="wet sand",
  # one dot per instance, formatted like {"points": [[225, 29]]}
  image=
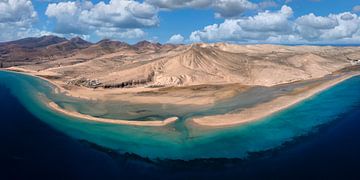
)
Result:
{"points": [[167, 121]]}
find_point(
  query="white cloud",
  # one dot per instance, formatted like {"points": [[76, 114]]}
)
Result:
{"points": [[16, 18], [268, 21], [121, 34], [231, 8], [63, 8], [346, 28], [331, 27], [121, 14], [280, 27], [218, 32], [176, 4], [223, 8], [258, 27], [176, 39], [310, 26], [317, 22], [117, 18], [20, 12], [67, 17]]}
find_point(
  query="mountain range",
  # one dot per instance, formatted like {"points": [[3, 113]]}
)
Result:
{"points": [[114, 64]]}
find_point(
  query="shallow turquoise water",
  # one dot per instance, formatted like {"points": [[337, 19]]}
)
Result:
{"points": [[179, 141]]}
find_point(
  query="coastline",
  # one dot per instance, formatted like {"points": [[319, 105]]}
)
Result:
{"points": [[36, 75], [55, 107], [248, 115], [266, 109], [142, 95]]}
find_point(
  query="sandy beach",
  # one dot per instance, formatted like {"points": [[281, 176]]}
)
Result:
{"points": [[36, 74], [268, 108]]}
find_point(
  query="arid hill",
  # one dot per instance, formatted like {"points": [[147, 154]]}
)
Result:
{"points": [[39, 50], [113, 64]]}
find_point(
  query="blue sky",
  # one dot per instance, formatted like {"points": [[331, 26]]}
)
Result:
{"points": [[185, 21]]}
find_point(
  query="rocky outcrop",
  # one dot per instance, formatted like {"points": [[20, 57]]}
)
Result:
{"points": [[89, 83], [131, 83]]}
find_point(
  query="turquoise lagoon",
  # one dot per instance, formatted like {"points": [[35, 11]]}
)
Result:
{"points": [[180, 140]]}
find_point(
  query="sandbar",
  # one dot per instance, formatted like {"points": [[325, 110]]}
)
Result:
{"points": [[167, 121]]}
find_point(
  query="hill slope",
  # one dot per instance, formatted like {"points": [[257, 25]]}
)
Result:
{"points": [[199, 64], [113, 64]]}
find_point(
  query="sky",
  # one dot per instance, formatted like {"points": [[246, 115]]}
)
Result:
{"points": [[185, 21]]}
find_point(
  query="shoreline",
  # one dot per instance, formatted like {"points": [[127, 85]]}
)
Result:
{"points": [[55, 107], [36, 75], [265, 109], [224, 120], [139, 95]]}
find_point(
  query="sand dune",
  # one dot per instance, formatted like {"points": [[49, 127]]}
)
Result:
{"points": [[208, 65]]}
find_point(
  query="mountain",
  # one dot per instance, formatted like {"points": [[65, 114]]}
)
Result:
{"points": [[208, 64], [115, 64], [147, 46], [32, 51], [33, 42], [36, 50], [80, 42], [109, 46], [105, 47], [68, 46]]}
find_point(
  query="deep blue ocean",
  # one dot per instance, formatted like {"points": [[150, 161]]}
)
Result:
{"points": [[32, 149]]}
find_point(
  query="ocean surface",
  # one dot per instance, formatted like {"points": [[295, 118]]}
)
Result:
{"points": [[316, 139]]}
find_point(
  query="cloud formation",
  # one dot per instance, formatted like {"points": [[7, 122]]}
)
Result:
{"points": [[118, 18], [16, 18], [223, 8], [129, 19], [231, 8], [258, 27], [310, 27], [280, 27], [177, 4], [176, 39]]}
